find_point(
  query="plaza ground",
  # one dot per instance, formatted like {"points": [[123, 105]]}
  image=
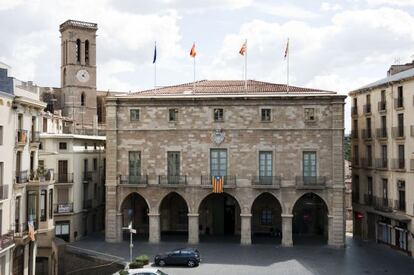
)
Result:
{"points": [[220, 257]]}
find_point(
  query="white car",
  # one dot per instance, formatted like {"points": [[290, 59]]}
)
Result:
{"points": [[146, 271]]}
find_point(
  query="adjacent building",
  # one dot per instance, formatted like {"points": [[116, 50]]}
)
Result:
{"points": [[383, 160], [279, 155]]}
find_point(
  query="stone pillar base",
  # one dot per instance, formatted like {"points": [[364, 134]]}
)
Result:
{"points": [[193, 228], [287, 240], [154, 227], [246, 232]]}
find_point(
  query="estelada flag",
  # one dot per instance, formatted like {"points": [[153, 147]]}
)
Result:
{"points": [[287, 49], [31, 230], [218, 184], [193, 51], [243, 49]]}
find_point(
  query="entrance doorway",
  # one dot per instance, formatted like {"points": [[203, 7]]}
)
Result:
{"points": [[134, 209], [174, 218]]}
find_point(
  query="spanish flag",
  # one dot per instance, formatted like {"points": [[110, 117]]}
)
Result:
{"points": [[243, 49], [218, 184], [193, 51]]}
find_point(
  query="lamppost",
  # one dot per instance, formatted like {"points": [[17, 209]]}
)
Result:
{"points": [[131, 245]]}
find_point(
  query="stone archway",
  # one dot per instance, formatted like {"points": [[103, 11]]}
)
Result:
{"points": [[310, 220], [135, 209], [219, 215], [266, 219], [173, 217]]}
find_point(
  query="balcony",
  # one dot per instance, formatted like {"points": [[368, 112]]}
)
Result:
{"points": [[22, 176], [87, 204], [382, 133], [381, 163], [173, 180], [310, 182], [398, 132], [368, 199], [398, 103], [367, 134], [399, 205], [398, 164], [355, 162], [367, 109], [266, 181], [88, 176], [354, 134], [20, 229], [136, 180], [354, 111], [21, 137], [64, 178], [61, 208], [382, 204], [4, 192], [229, 180], [6, 240], [366, 163], [382, 106], [35, 137]]}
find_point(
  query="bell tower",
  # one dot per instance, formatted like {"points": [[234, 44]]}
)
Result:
{"points": [[78, 74]]}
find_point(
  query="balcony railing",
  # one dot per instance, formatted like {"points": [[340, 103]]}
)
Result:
{"points": [[381, 163], [368, 199], [21, 176], [398, 164], [398, 132], [35, 137], [367, 108], [382, 133], [21, 136], [367, 133], [20, 229], [87, 204], [398, 102], [64, 178], [354, 110], [88, 176], [266, 180], [4, 192], [138, 179], [382, 106], [310, 181], [354, 134], [355, 161], [63, 208], [178, 179], [6, 240], [228, 180], [382, 204], [366, 162], [399, 205]]}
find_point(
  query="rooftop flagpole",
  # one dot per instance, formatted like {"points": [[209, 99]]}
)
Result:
{"points": [[193, 54], [155, 64], [287, 65], [243, 51]]}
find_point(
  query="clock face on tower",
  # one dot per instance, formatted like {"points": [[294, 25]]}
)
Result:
{"points": [[82, 75]]}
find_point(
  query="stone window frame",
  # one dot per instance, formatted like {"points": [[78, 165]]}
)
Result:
{"points": [[218, 116], [227, 156], [173, 111], [270, 115], [300, 159], [259, 152], [134, 118], [309, 118]]}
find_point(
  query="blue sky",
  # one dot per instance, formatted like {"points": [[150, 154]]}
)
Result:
{"points": [[335, 45]]}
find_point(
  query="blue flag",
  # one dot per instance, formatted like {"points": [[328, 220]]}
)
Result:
{"points": [[155, 53]]}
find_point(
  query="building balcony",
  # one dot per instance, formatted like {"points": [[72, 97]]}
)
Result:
{"points": [[310, 182], [399, 205], [174, 180], [367, 134], [381, 133], [64, 178], [4, 192], [382, 204], [62, 208], [22, 176], [366, 163], [35, 137], [354, 134], [382, 106], [20, 229], [354, 110], [368, 200], [207, 180], [355, 162], [87, 204], [6, 240], [21, 138], [136, 179], [88, 176], [398, 103], [398, 164], [266, 181], [367, 109], [47, 176], [381, 163], [398, 132]]}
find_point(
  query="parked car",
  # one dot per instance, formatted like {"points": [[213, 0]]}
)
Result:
{"points": [[182, 256], [146, 271]]}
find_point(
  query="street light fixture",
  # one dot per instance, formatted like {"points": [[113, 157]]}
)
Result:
{"points": [[131, 245]]}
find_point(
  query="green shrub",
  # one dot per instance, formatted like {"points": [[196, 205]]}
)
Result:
{"points": [[135, 265], [123, 272], [142, 259]]}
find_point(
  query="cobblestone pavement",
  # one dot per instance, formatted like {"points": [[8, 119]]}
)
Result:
{"points": [[359, 257]]}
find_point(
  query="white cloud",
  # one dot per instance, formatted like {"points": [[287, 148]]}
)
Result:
{"points": [[326, 6], [9, 5], [285, 10], [391, 2]]}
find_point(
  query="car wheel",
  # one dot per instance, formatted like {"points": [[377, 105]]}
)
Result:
{"points": [[191, 263], [161, 262]]}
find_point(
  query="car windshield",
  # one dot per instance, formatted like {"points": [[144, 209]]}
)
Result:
{"points": [[159, 272]]}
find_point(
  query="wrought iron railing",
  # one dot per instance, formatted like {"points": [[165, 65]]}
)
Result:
{"points": [[266, 180], [382, 106], [4, 192], [310, 181], [6, 240], [398, 102], [367, 108], [354, 110], [381, 163], [400, 205], [87, 176], [398, 132], [366, 133], [382, 133], [63, 208], [169, 179], [398, 164], [383, 204], [134, 179], [368, 199], [64, 178], [35, 137], [354, 134], [21, 176], [21, 136]]}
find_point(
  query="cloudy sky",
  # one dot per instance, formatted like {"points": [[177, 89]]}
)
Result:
{"points": [[335, 45]]}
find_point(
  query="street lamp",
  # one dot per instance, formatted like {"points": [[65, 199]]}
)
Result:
{"points": [[131, 245]]}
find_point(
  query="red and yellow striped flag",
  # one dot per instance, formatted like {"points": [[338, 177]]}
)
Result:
{"points": [[218, 184], [193, 51], [243, 48]]}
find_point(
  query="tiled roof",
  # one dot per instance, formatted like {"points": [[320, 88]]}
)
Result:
{"points": [[229, 87]]}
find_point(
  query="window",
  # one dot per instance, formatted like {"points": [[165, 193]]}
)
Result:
{"points": [[369, 155], [266, 217], [43, 203], [401, 156], [309, 167], [85, 146], [266, 115], [40, 145], [400, 127], [63, 171], [62, 230], [1, 173], [265, 167], [218, 162], [369, 133], [218, 114], [50, 204], [173, 165], [1, 135], [370, 189], [78, 50], [94, 146], [385, 189], [62, 146], [309, 114], [401, 195], [383, 130], [87, 52], [83, 99], [134, 164], [356, 155], [355, 189], [44, 125], [31, 206], [134, 115], [173, 115], [95, 164], [400, 101]]}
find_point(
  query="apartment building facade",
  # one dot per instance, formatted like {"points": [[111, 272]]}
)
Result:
{"points": [[280, 156], [383, 160]]}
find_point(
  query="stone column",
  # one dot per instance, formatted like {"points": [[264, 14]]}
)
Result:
{"points": [[193, 228], [287, 230], [246, 229], [330, 231], [154, 227]]}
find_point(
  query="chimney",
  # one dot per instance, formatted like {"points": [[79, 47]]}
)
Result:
{"points": [[395, 69]]}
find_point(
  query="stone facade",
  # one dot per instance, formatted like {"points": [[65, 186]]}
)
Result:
{"points": [[286, 136]]}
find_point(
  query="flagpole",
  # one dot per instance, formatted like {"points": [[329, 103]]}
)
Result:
{"points": [[194, 70], [155, 65], [245, 68], [287, 69]]}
